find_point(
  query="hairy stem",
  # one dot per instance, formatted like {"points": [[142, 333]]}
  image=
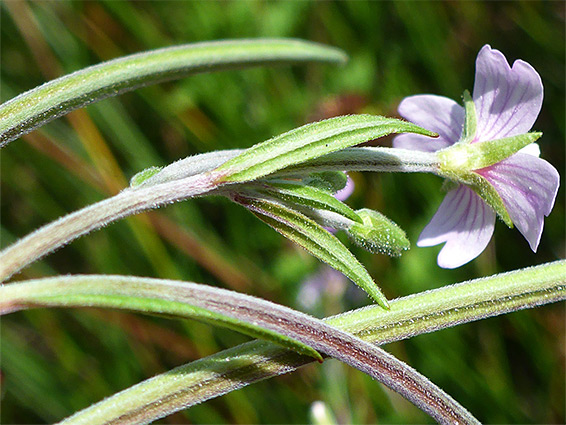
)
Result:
{"points": [[377, 159], [184, 179], [421, 313], [66, 229]]}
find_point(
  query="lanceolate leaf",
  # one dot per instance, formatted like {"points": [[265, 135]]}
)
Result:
{"points": [[311, 141], [221, 307], [315, 239], [331, 181], [308, 196], [58, 97]]}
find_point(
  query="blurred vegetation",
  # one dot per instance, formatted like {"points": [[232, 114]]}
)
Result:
{"points": [[54, 362]]}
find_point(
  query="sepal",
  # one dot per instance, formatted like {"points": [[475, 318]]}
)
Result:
{"points": [[470, 120], [484, 189], [463, 157]]}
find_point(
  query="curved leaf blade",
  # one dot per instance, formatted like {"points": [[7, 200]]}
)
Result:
{"points": [[156, 296], [308, 196], [152, 399], [316, 240], [51, 100], [413, 315]]}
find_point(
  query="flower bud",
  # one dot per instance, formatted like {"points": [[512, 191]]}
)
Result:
{"points": [[378, 234], [143, 175]]}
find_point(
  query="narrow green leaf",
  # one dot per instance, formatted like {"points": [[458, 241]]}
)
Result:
{"points": [[161, 395], [316, 240], [307, 196], [220, 307], [331, 181], [413, 315], [58, 97], [310, 141]]}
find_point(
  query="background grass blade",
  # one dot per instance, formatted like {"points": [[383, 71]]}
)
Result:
{"points": [[58, 97]]}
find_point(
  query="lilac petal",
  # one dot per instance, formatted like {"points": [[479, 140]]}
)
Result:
{"points": [[508, 100], [437, 113], [416, 142], [528, 187], [465, 222], [346, 191], [327, 280]]}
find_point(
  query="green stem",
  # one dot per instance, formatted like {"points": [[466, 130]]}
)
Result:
{"points": [[181, 181], [68, 228], [417, 314], [376, 159], [49, 101], [459, 303]]}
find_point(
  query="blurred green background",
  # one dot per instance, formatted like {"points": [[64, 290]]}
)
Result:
{"points": [[54, 362]]}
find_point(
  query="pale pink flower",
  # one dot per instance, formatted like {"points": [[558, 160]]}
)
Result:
{"points": [[507, 101]]}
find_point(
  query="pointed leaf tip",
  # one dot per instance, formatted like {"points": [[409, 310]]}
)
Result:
{"points": [[311, 141], [315, 239]]}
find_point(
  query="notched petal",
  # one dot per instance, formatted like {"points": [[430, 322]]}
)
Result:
{"points": [[528, 186], [508, 99], [436, 113], [464, 222]]}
